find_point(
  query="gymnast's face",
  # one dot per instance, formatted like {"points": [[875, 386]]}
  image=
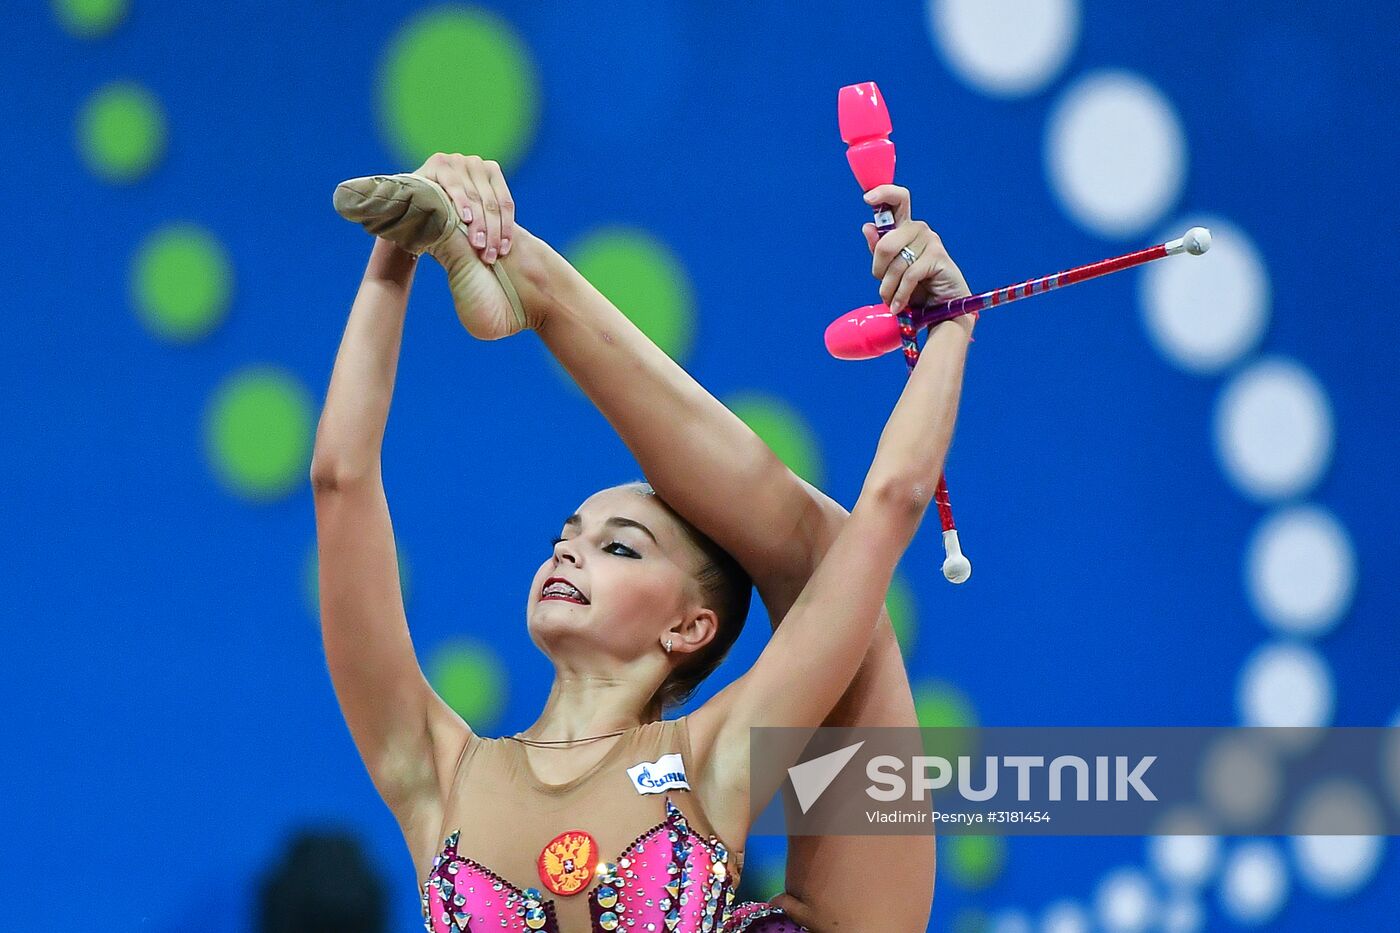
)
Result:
{"points": [[621, 573]]}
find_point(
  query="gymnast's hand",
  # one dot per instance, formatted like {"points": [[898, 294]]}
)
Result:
{"points": [[933, 276], [479, 190]]}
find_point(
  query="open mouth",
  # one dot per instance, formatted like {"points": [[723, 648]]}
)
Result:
{"points": [[561, 589]]}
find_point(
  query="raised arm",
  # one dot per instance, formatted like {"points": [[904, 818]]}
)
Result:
{"points": [[814, 654], [408, 738]]}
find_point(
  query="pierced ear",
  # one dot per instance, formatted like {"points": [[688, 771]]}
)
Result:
{"points": [[701, 628]]}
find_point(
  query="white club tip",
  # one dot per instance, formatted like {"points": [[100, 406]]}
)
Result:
{"points": [[1197, 240], [956, 567]]}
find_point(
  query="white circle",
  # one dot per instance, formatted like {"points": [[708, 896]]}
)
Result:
{"points": [[1184, 855], [1115, 153], [1124, 902], [1006, 48], [1337, 865], [1301, 571], [1064, 917], [1205, 312], [1254, 884], [1182, 915], [1009, 921], [1273, 430], [1285, 685], [1241, 780]]}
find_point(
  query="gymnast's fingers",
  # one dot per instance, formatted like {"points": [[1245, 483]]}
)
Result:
{"points": [[504, 201], [896, 196], [930, 256], [481, 171], [887, 265], [441, 168], [871, 236], [476, 225]]}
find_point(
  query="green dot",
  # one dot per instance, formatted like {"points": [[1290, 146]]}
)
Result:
{"points": [[974, 861], [783, 429], [903, 611], [181, 283], [940, 705], [944, 712], [645, 280], [121, 132], [91, 19], [311, 580], [471, 680], [458, 80], [259, 433]]}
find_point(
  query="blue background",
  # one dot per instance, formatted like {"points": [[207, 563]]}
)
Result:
{"points": [[169, 717]]}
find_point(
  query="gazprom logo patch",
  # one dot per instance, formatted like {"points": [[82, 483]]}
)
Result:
{"points": [[665, 773]]}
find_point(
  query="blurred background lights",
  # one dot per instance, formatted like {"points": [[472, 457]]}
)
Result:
{"points": [[1285, 685], [1005, 48], [91, 19], [1125, 902], [181, 282], [1206, 313], [1241, 780], [973, 862], [1301, 571], [121, 132], [1115, 154], [1254, 883], [1341, 863], [1182, 914], [1115, 157], [429, 102], [1065, 917], [471, 679], [258, 433], [1183, 856], [1273, 430]]}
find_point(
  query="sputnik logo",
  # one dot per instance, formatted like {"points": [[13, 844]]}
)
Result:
{"points": [[811, 778]]}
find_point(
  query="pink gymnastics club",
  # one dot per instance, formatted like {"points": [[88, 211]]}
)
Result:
{"points": [[873, 331], [865, 129]]}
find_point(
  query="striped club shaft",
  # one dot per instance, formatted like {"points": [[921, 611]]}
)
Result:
{"points": [[938, 312]]}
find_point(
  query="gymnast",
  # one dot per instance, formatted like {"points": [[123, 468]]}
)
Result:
{"points": [[603, 814]]}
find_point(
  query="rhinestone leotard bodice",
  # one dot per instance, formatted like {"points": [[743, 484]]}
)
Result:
{"points": [[673, 877], [669, 879]]}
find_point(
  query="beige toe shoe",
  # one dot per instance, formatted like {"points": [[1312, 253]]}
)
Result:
{"points": [[420, 217]]}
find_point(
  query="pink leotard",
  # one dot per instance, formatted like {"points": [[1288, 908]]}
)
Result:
{"points": [[651, 868]]}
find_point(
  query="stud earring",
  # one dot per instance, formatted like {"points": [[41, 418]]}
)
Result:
{"points": [[668, 646]]}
